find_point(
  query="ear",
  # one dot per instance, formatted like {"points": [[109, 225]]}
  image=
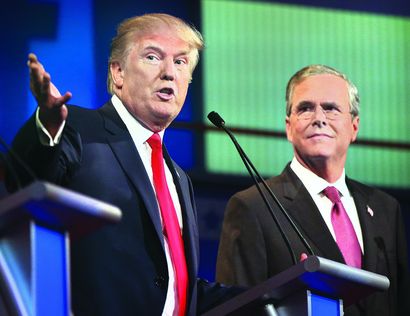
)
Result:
{"points": [[117, 74], [355, 128], [288, 129]]}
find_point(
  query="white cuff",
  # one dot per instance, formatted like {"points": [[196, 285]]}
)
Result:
{"points": [[44, 135]]}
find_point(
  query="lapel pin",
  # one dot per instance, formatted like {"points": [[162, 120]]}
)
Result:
{"points": [[370, 211]]}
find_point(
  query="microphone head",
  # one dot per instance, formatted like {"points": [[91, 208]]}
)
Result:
{"points": [[216, 119]]}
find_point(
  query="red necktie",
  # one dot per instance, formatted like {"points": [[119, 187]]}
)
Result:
{"points": [[345, 234], [171, 228]]}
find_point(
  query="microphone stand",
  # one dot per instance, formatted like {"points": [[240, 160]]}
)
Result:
{"points": [[217, 120]]}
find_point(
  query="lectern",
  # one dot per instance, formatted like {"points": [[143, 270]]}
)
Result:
{"points": [[314, 287], [36, 226]]}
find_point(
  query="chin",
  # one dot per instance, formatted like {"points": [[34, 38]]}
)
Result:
{"points": [[166, 110], [321, 153], [163, 120]]}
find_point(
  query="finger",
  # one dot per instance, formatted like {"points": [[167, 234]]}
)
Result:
{"points": [[40, 84], [60, 101], [36, 73], [45, 84], [303, 257], [65, 98], [31, 59], [35, 67]]}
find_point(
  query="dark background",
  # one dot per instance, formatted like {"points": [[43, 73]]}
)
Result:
{"points": [[23, 22]]}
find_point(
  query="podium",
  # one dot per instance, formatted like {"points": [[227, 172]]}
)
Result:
{"points": [[36, 226], [314, 287]]}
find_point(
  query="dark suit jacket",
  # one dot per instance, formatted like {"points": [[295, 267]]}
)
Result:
{"points": [[251, 248], [119, 269]]}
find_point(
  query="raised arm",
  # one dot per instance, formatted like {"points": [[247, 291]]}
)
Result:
{"points": [[53, 111]]}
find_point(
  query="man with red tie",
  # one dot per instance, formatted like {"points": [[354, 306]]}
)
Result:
{"points": [[342, 219], [148, 263]]}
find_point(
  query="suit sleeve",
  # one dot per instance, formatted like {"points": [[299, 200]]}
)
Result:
{"points": [[55, 164], [403, 277], [242, 252]]}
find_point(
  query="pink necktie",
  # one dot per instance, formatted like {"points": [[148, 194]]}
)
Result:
{"points": [[345, 235], [170, 222]]}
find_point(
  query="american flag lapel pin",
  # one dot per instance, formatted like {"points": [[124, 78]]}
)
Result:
{"points": [[370, 211]]}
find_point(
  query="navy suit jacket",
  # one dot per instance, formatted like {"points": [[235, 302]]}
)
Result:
{"points": [[251, 248], [119, 269]]}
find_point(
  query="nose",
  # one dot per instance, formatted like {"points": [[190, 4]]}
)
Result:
{"points": [[319, 117], [168, 70]]}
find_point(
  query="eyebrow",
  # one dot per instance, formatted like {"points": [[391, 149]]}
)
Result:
{"points": [[311, 103], [304, 103], [329, 103], [162, 52], [154, 48]]}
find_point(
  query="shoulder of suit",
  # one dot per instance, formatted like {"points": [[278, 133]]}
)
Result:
{"points": [[76, 112], [251, 193], [87, 122], [369, 191], [273, 182]]}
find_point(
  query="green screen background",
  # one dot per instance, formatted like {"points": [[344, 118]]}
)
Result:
{"points": [[253, 48]]}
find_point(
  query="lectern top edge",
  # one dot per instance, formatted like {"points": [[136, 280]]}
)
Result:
{"points": [[58, 207], [319, 275]]}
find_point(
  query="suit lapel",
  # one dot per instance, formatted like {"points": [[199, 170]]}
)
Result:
{"points": [[304, 211], [123, 147], [367, 224], [369, 231]]}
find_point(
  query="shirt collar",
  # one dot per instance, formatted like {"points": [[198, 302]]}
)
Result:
{"points": [[315, 184], [139, 133]]}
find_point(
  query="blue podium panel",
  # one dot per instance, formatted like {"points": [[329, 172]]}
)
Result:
{"points": [[319, 305], [15, 269], [34, 269], [306, 303], [50, 271]]}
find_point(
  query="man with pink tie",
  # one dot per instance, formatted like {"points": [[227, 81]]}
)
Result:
{"points": [[342, 219]]}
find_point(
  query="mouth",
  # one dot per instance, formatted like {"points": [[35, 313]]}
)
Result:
{"points": [[319, 136], [165, 94]]}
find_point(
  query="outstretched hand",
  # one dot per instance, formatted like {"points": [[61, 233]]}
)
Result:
{"points": [[53, 111]]}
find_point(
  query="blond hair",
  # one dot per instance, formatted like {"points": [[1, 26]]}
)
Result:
{"points": [[136, 26]]}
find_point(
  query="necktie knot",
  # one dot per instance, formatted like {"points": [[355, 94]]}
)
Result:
{"points": [[155, 141], [332, 194]]}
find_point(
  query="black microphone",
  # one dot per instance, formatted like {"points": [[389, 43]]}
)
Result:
{"points": [[217, 120], [10, 168]]}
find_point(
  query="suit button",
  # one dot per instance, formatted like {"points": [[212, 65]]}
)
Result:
{"points": [[160, 281]]}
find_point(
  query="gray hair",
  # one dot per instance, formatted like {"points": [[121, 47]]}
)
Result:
{"points": [[313, 70]]}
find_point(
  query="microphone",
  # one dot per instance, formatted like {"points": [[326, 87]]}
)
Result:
{"points": [[217, 120], [11, 169]]}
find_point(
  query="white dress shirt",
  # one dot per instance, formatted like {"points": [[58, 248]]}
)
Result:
{"points": [[315, 186]]}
